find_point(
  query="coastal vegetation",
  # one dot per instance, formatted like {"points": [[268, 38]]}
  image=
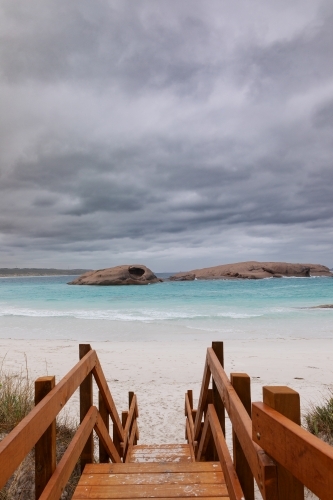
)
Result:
{"points": [[319, 419], [16, 401]]}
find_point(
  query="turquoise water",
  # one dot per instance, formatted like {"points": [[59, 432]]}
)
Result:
{"points": [[272, 307]]}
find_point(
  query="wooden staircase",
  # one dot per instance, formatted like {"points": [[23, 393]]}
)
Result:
{"points": [[154, 471], [269, 446]]}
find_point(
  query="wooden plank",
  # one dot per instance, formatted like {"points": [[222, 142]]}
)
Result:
{"points": [[86, 401], [136, 415], [153, 478], [262, 466], [231, 479], [129, 420], [191, 444], [162, 450], [105, 391], [152, 467], [106, 440], [160, 458], [45, 448], [218, 349], [131, 442], [15, 446], [103, 454], [241, 382], [188, 413], [58, 481], [287, 402], [202, 400], [308, 458], [124, 416], [154, 491], [204, 440], [81, 494]]}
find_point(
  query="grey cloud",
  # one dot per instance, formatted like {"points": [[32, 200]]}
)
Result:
{"points": [[137, 130]]}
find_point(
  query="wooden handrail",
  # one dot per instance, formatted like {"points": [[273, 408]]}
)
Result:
{"points": [[17, 444], [131, 441], [130, 417], [105, 391], [107, 442], [131, 430], [212, 428], [202, 400], [263, 468], [307, 457], [188, 413], [58, 481], [190, 440]]}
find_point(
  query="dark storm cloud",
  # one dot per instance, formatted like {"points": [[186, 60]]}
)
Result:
{"points": [[174, 131]]}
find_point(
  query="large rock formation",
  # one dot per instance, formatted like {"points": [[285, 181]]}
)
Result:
{"points": [[253, 270], [136, 274]]}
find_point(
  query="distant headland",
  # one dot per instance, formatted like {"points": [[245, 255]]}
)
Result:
{"points": [[36, 271], [253, 270]]}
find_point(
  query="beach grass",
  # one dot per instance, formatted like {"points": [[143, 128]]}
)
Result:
{"points": [[16, 401], [319, 419]]}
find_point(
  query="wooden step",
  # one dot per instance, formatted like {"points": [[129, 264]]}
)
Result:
{"points": [[161, 453], [188, 480]]}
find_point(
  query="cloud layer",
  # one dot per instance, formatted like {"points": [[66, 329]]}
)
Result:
{"points": [[178, 133]]}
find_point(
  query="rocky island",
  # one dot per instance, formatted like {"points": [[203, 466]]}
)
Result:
{"points": [[136, 274], [253, 270]]}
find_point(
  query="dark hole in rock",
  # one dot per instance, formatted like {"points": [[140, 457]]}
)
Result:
{"points": [[136, 271]]}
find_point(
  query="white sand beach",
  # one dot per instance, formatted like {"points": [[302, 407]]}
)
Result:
{"points": [[161, 371]]}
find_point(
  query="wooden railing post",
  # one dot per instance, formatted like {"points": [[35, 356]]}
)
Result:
{"points": [[86, 402], [103, 454], [287, 402], [217, 401], [130, 397], [45, 448], [242, 385]]}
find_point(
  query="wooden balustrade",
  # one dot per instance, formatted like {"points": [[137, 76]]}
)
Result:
{"points": [[38, 428], [212, 430], [273, 448], [262, 467]]}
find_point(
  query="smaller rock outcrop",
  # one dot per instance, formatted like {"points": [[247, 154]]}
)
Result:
{"points": [[135, 274]]}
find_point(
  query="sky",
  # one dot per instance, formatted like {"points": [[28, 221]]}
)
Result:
{"points": [[176, 134]]}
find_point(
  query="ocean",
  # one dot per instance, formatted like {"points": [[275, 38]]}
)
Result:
{"points": [[48, 308]]}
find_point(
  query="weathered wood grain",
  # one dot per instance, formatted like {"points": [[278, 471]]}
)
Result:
{"points": [[152, 467], [152, 478], [287, 402], [153, 491], [308, 458]]}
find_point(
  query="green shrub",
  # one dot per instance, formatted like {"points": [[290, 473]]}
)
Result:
{"points": [[319, 419]]}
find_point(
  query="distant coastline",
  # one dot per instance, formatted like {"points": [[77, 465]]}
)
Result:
{"points": [[36, 272]]}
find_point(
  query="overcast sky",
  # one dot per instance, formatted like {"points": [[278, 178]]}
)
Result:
{"points": [[176, 133]]}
